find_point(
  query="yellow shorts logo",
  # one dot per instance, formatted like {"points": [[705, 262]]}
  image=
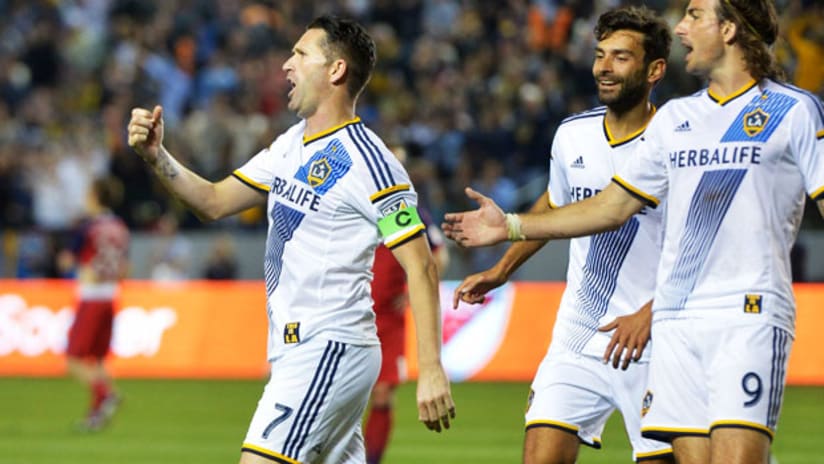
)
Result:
{"points": [[752, 303], [291, 332]]}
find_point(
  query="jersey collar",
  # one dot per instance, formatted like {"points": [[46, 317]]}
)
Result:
{"points": [[615, 143], [732, 96], [307, 139]]}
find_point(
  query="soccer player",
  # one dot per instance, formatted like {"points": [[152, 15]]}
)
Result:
{"points": [[734, 162], [333, 190], [101, 254], [610, 275], [391, 299]]}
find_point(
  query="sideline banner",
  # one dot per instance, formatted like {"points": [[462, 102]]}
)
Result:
{"points": [[193, 329], [199, 329]]}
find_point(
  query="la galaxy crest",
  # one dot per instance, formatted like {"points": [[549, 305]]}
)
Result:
{"points": [[755, 121], [319, 171], [646, 403]]}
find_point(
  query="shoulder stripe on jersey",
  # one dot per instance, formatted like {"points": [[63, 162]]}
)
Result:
{"points": [[330, 131], [381, 160], [820, 134], [732, 96], [599, 111], [380, 177], [271, 455], [418, 230], [637, 193], [239, 176], [810, 95], [388, 191], [378, 184]]}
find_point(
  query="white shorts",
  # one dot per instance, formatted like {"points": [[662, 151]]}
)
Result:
{"points": [[705, 374], [578, 393], [311, 409]]}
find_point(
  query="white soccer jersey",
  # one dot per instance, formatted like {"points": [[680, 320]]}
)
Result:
{"points": [[613, 273], [326, 195], [734, 172]]}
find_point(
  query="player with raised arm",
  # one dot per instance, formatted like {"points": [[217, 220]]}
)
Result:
{"points": [[734, 162], [332, 190], [101, 255], [610, 275]]}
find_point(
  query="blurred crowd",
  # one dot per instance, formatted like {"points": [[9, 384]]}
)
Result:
{"points": [[473, 89]]}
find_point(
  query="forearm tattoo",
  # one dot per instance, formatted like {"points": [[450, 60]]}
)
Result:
{"points": [[164, 167]]}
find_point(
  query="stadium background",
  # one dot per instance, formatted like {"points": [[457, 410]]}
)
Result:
{"points": [[471, 89]]}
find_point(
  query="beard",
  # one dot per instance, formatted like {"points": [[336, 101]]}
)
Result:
{"points": [[633, 91]]}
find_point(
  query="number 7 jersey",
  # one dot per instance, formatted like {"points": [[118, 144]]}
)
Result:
{"points": [[326, 195], [734, 172]]}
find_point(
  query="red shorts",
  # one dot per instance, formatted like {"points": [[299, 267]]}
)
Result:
{"points": [[392, 333], [91, 332]]}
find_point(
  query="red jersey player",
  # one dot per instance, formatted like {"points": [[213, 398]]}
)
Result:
{"points": [[101, 256], [390, 297]]}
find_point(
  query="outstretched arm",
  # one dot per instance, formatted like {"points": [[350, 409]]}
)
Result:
{"points": [[435, 404], [820, 204], [208, 200], [473, 288], [489, 225]]}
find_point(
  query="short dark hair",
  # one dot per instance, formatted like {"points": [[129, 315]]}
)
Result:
{"points": [[657, 36], [756, 24], [347, 39]]}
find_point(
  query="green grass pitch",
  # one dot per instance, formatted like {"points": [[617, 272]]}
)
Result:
{"points": [[203, 422]]}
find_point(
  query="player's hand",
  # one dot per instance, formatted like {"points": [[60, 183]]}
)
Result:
{"points": [[146, 132], [473, 289], [631, 336], [484, 226], [435, 405]]}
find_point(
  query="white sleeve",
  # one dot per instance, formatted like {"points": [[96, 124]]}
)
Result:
{"points": [[808, 147], [558, 186], [258, 172], [645, 174]]}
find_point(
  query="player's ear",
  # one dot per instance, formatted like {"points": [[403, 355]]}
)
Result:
{"points": [[728, 31], [337, 71], [656, 70]]}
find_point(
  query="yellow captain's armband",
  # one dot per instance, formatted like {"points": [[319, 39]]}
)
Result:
{"points": [[400, 225]]}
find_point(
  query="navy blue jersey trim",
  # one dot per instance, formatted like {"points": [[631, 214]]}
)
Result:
{"points": [[599, 111], [816, 102], [360, 128], [378, 185]]}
